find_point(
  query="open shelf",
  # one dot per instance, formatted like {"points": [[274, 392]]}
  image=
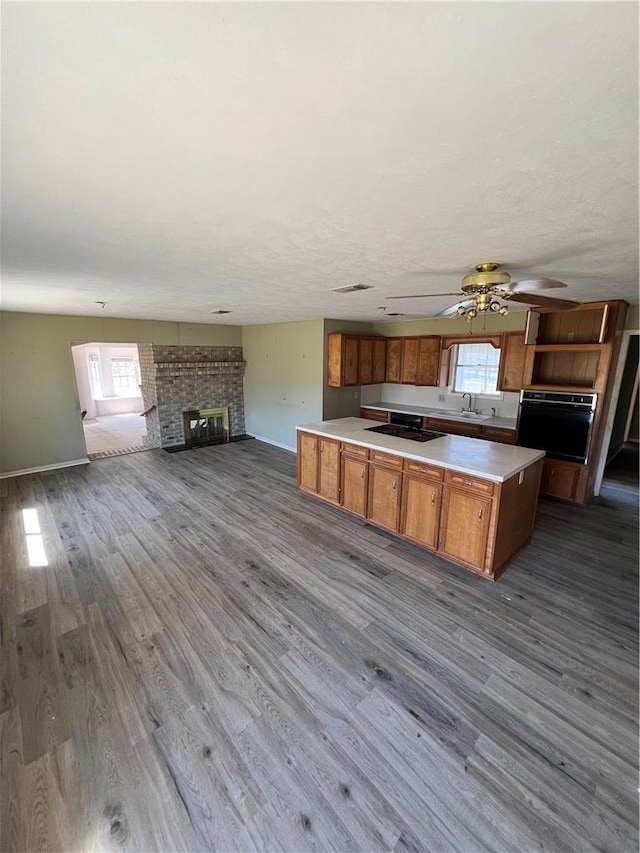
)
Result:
{"points": [[581, 325], [575, 368]]}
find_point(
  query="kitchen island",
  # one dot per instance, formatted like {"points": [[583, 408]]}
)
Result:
{"points": [[471, 501]]}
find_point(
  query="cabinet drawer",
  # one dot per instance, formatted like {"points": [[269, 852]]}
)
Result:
{"points": [[412, 467], [374, 414], [385, 459], [456, 427], [507, 436], [466, 481], [355, 450]]}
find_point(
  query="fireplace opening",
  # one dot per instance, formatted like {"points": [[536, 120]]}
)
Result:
{"points": [[206, 426]]}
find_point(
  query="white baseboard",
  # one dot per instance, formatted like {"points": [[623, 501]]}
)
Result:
{"points": [[44, 468], [275, 443]]}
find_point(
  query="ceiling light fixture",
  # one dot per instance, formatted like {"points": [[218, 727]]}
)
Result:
{"points": [[483, 303]]}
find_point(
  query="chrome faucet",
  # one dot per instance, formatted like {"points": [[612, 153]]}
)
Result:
{"points": [[468, 409]]}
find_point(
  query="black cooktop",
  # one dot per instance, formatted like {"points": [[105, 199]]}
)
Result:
{"points": [[403, 432]]}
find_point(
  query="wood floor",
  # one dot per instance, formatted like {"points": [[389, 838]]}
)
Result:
{"points": [[211, 660]]}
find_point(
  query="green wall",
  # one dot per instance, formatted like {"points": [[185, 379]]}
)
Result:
{"points": [[283, 379], [40, 423]]}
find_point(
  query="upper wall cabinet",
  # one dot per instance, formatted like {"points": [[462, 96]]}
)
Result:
{"points": [[428, 360], [343, 366], [419, 360], [394, 360], [510, 376], [373, 360], [355, 359], [572, 349]]}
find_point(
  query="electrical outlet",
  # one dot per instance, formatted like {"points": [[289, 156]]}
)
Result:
{"points": [[441, 398]]}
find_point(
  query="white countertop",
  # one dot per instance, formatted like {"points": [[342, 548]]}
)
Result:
{"points": [[448, 414], [488, 459]]}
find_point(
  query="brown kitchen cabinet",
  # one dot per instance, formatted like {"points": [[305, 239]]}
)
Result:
{"points": [[374, 414], [354, 479], [385, 482], [464, 532], [394, 361], [472, 521], [379, 361], [511, 370], [472, 430], [409, 367], [575, 349], [428, 370], [503, 435], [365, 361], [307, 462], [319, 466], [421, 502], [563, 480], [343, 360], [355, 359]]}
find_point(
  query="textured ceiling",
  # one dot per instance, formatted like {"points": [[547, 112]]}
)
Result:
{"points": [[173, 159]]}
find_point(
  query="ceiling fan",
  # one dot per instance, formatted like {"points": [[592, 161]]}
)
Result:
{"points": [[482, 289]]}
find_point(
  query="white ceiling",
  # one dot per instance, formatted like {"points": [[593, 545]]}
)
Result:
{"points": [[172, 159]]}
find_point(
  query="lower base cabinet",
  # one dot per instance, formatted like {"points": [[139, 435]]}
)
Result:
{"points": [[471, 521], [563, 480], [421, 502], [353, 494], [465, 527], [383, 506]]}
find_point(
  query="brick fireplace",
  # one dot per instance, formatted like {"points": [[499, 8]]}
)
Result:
{"points": [[179, 381]]}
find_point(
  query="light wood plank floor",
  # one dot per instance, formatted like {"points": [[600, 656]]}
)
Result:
{"points": [[211, 660]]}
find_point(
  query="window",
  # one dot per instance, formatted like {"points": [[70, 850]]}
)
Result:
{"points": [[94, 375], [475, 370], [125, 382]]}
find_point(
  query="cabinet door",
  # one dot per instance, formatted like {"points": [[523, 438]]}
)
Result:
{"points": [[421, 500], [329, 469], [465, 527], [384, 497], [354, 485], [560, 479], [334, 360], [394, 359], [428, 360], [379, 368], [350, 353], [365, 369], [308, 461], [410, 350], [511, 376]]}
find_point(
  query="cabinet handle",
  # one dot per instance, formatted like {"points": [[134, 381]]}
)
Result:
{"points": [[433, 497], [395, 485], [362, 474], [480, 514]]}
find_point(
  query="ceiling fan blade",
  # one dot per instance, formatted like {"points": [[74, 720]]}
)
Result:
{"points": [[453, 309], [532, 284], [543, 301], [422, 295]]}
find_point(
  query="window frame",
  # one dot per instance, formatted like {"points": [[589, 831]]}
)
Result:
{"points": [[453, 371], [133, 386]]}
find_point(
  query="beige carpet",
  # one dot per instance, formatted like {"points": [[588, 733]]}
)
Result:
{"points": [[113, 435]]}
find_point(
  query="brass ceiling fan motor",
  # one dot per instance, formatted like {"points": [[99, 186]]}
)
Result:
{"points": [[481, 290]]}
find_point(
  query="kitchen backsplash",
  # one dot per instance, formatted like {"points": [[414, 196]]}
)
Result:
{"points": [[506, 404]]}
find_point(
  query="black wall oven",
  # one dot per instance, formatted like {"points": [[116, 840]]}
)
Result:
{"points": [[558, 423]]}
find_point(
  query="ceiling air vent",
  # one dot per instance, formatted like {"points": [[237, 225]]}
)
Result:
{"points": [[351, 288], [220, 311]]}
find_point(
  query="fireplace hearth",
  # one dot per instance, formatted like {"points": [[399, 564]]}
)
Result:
{"points": [[206, 426]]}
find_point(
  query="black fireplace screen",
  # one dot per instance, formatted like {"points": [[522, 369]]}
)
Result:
{"points": [[206, 426]]}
